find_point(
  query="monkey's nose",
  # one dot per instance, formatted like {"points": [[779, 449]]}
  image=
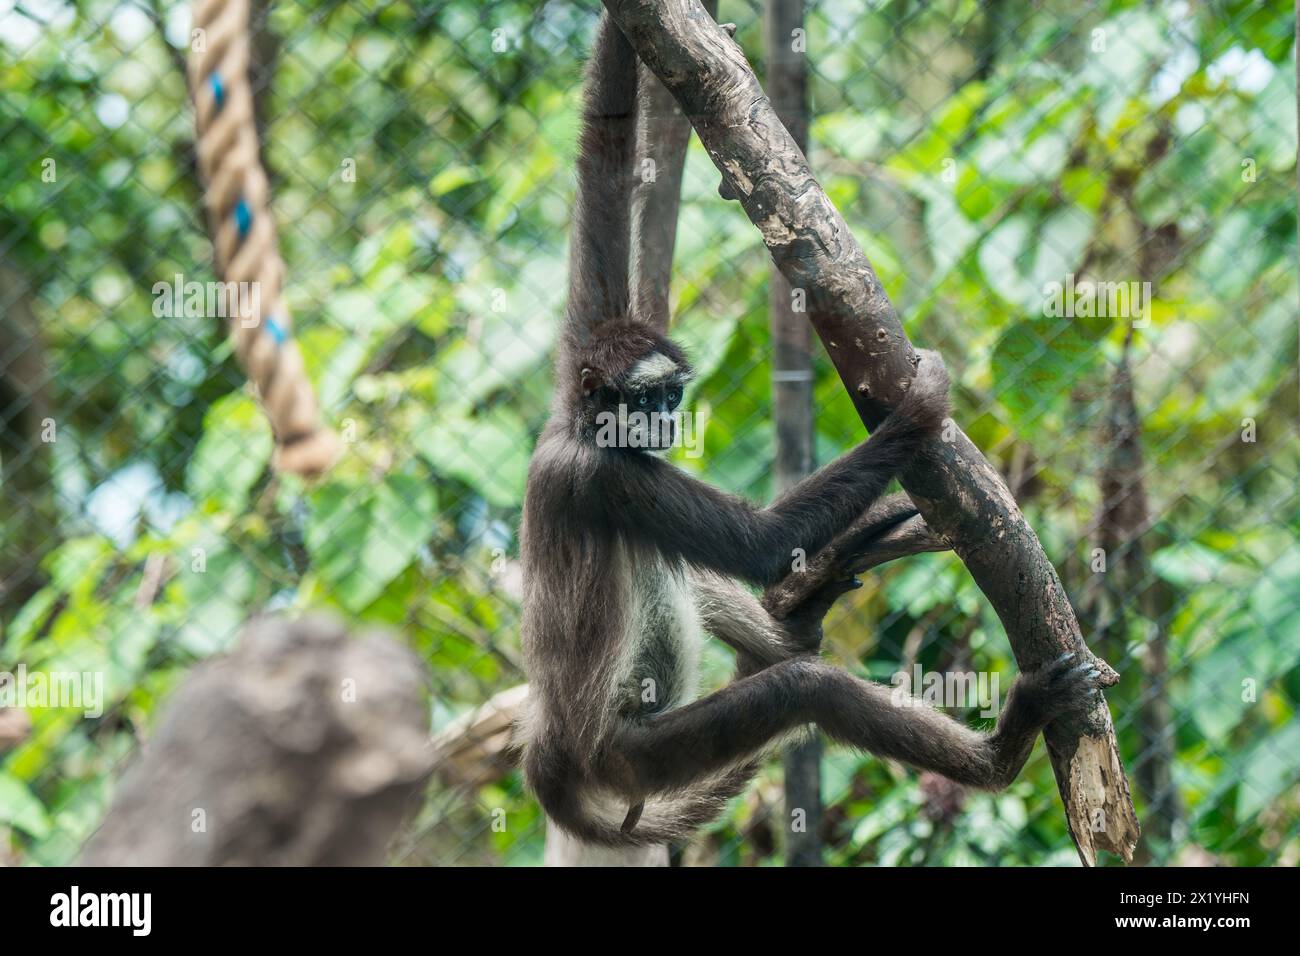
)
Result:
{"points": [[667, 430]]}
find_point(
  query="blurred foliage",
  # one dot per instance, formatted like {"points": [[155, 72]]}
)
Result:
{"points": [[979, 151]]}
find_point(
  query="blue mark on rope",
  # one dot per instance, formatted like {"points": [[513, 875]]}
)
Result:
{"points": [[218, 93], [273, 329], [243, 217]]}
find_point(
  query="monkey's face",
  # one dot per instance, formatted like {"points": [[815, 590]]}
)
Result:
{"points": [[638, 411], [650, 413]]}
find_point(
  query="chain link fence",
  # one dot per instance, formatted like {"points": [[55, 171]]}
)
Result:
{"points": [[1088, 209]]}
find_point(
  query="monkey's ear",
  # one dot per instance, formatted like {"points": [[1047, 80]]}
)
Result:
{"points": [[592, 379]]}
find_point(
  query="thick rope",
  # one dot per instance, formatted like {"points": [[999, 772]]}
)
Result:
{"points": [[244, 238]]}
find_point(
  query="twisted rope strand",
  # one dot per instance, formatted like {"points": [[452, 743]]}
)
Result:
{"points": [[244, 238]]}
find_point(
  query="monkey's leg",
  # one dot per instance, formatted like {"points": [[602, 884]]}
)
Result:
{"points": [[733, 615], [674, 749]]}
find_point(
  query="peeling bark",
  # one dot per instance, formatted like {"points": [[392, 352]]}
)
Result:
{"points": [[478, 748], [958, 493]]}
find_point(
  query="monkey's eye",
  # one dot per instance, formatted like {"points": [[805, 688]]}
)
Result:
{"points": [[642, 398], [674, 396]]}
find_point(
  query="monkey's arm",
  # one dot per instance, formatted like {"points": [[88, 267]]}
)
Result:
{"points": [[652, 502], [734, 616]]}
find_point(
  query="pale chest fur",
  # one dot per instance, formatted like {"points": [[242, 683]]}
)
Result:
{"points": [[662, 670]]}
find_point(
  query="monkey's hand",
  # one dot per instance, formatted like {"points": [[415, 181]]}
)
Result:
{"points": [[1063, 687], [803, 625], [925, 403], [891, 529]]}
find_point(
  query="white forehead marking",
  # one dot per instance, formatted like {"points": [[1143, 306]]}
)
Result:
{"points": [[652, 368]]}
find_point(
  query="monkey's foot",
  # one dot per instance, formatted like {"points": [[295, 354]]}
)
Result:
{"points": [[1062, 687]]}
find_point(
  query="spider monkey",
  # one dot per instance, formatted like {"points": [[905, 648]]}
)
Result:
{"points": [[627, 560]]}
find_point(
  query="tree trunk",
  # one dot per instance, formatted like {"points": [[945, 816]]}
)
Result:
{"points": [[28, 510], [792, 406], [1124, 521]]}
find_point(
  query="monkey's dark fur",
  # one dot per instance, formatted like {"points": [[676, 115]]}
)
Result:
{"points": [[627, 559]]}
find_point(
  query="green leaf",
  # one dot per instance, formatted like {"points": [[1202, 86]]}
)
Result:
{"points": [[1189, 563], [1037, 362], [488, 452], [384, 253], [407, 301], [19, 808], [217, 598], [1023, 145], [1275, 599], [1062, 241], [949, 231], [361, 537], [1136, 41], [453, 178], [26, 623], [705, 337], [852, 135], [505, 347], [231, 455], [1246, 375], [1234, 255], [1269, 769], [1271, 608], [78, 561], [346, 354], [926, 153], [1002, 258]]}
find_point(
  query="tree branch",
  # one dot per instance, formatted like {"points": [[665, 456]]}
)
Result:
{"points": [[956, 490], [662, 136]]}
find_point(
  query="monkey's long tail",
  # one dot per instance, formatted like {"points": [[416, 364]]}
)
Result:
{"points": [[664, 818]]}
